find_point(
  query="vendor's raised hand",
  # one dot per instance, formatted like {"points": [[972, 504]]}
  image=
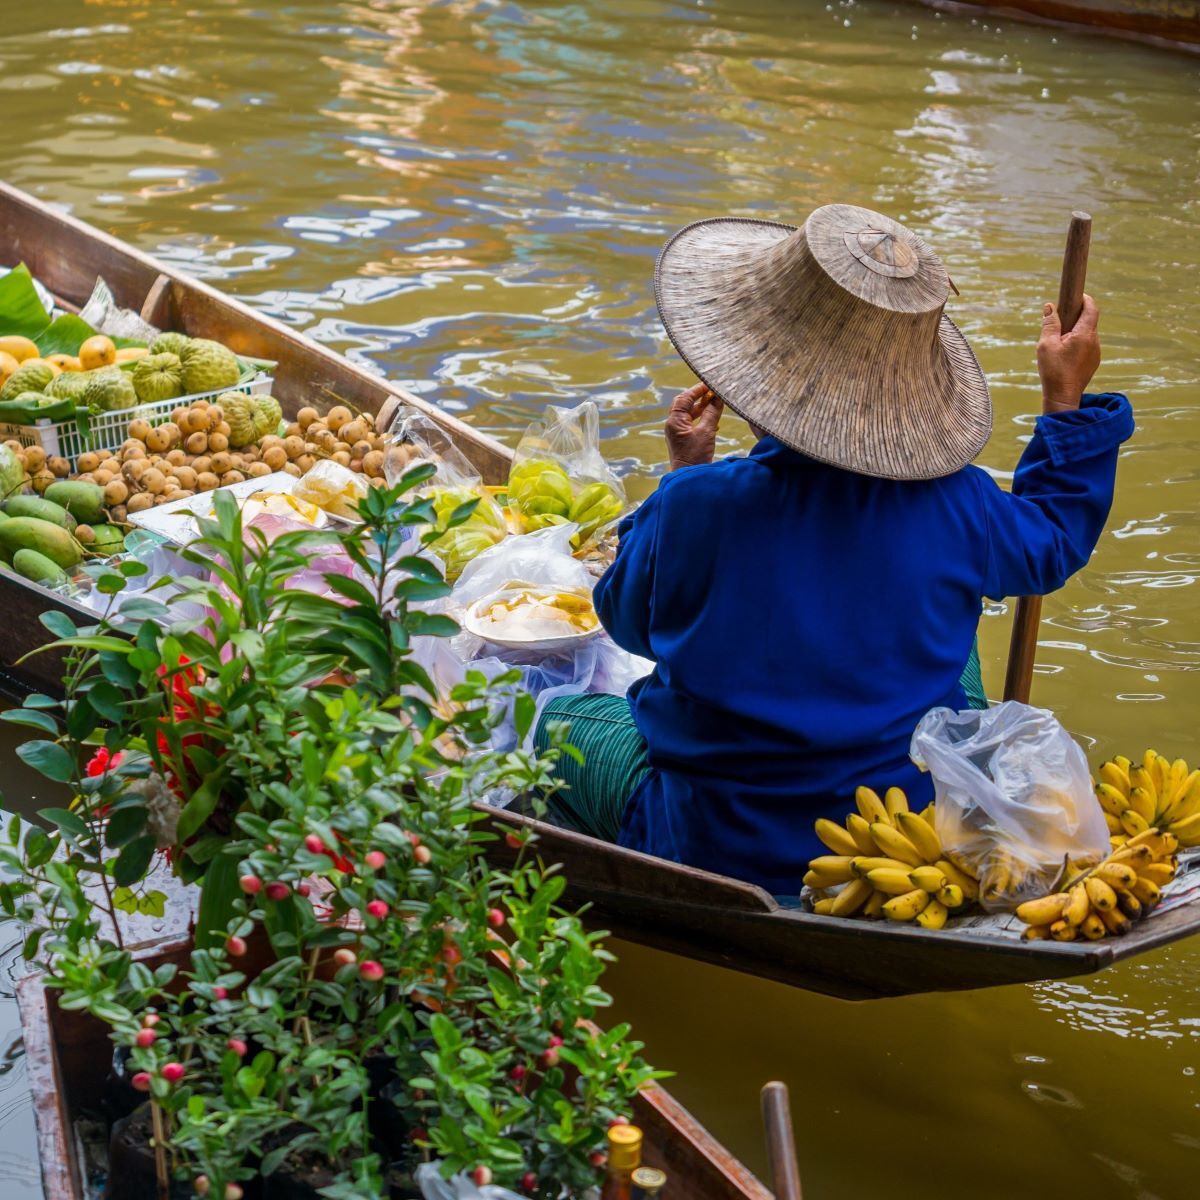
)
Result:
{"points": [[691, 428], [1067, 361]]}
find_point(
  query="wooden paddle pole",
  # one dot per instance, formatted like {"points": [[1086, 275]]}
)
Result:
{"points": [[1022, 649], [781, 1142]]}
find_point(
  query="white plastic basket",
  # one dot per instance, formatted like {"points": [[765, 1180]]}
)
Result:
{"points": [[106, 431]]}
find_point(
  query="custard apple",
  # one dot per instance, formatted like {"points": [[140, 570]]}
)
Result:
{"points": [[70, 385], [158, 377], [31, 377], [239, 416], [108, 389], [170, 343], [267, 414], [208, 366]]}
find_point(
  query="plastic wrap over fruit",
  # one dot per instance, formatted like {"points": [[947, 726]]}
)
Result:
{"points": [[1014, 798], [559, 476], [484, 528], [461, 1187], [333, 488], [425, 442]]}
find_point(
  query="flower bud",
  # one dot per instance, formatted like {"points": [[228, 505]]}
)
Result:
{"points": [[481, 1176], [250, 884], [313, 844], [529, 1182], [235, 946], [597, 1158], [370, 970], [201, 1185], [514, 841], [422, 854], [233, 1191], [518, 1072], [451, 954], [145, 1038], [555, 1040], [150, 1020], [550, 1057], [172, 1072], [377, 909], [495, 918], [302, 888], [141, 1081], [344, 957], [220, 993], [277, 891], [375, 859], [237, 1046]]}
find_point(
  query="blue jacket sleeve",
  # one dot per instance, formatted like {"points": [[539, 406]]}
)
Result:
{"points": [[1045, 530], [623, 595]]}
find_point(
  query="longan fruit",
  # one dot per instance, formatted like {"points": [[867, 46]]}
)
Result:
{"points": [[257, 470], [14, 445], [85, 477], [89, 461], [361, 448], [133, 469], [342, 457], [270, 440], [59, 467], [294, 447], [41, 481], [275, 457], [351, 431], [158, 440], [139, 502], [179, 415], [198, 417], [218, 440], [377, 481], [197, 443], [373, 464], [223, 427], [185, 493], [85, 535], [201, 464], [139, 428], [232, 477], [327, 440], [35, 458], [306, 416], [356, 465], [116, 492], [305, 463], [201, 404], [154, 481], [177, 458], [117, 514], [337, 416], [216, 415], [250, 453], [294, 470], [344, 447], [221, 463], [110, 464], [102, 477], [293, 429], [206, 481]]}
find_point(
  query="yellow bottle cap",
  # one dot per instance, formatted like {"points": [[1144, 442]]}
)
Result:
{"points": [[624, 1147], [649, 1179]]}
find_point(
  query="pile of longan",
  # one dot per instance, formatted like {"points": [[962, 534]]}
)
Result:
{"points": [[190, 453], [41, 470]]}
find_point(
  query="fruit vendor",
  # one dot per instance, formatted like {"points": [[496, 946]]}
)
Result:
{"points": [[807, 603]]}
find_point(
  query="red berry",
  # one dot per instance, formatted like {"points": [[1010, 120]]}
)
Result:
{"points": [[150, 1020], [550, 1057], [313, 844], [370, 970], [418, 1134], [481, 1176], [201, 1185], [233, 1191], [250, 884], [145, 1037], [277, 891], [141, 1081], [172, 1072], [423, 854], [451, 954], [377, 909], [418, 1095], [555, 1040], [235, 946], [597, 1158], [375, 859], [220, 993], [514, 841], [344, 957], [414, 838], [302, 888], [495, 918], [518, 1072], [237, 1046], [528, 1182]]}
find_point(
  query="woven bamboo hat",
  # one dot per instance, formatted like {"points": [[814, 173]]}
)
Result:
{"points": [[830, 337]]}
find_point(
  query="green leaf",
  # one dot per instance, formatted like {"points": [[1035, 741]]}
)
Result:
{"points": [[125, 900], [153, 904], [51, 759], [218, 893], [21, 311], [35, 718], [70, 823], [524, 708], [133, 861], [64, 336], [198, 809], [124, 825]]}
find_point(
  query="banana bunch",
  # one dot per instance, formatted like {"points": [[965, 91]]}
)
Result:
{"points": [[544, 495], [1154, 793], [1108, 898], [888, 862]]}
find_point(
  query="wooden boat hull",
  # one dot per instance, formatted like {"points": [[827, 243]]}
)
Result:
{"points": [[724, 921], [1171, 23], [68, 255], [66, 1053]]}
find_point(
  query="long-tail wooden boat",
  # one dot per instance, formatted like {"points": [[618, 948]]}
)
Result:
{"points": [[66, 1053], [67, 256], [1171, 23]]}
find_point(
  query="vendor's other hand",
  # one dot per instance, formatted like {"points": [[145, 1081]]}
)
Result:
{"points": [[691, 427], [1067, 361]]}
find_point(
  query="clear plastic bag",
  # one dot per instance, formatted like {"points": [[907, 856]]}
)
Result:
{"points": [[332, 488], [1014, 797], [559, 476], [415, 439], [460, 1187]]}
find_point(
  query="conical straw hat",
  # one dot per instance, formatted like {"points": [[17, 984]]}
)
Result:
{"points": [[830, 338]]}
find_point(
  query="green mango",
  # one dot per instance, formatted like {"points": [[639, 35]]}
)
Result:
{"points": [[39, 568], [31, 533], [83, 500], [38, 506]]}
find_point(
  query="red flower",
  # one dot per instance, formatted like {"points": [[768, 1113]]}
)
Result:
{"points": [[185, 708], [102, 761]]}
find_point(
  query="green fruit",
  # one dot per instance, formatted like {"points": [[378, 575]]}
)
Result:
{"points": [[39, 568], [107, 539], [40, 507], [30, 377], [542, 503], [108, 390], [30, 533], [70, 385], [157, 377], [267, 414], [239, 416], [170, 343], [588, 496], [83, 500], [208, 366]]}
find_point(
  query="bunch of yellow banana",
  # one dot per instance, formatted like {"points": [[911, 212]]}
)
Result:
{"points": [[888, 862], [1108, 898], [1154, 793]]}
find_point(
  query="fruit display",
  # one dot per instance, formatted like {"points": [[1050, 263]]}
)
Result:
{"points": [[1105, 900], [29, 466], [1153, 793], [532, 613], [485, 527], [887, 862], [544, 494]]}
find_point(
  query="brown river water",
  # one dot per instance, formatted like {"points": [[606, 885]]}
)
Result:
{"points": [[468, 196]]}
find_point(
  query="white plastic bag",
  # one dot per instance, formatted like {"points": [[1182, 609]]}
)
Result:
{"points": [[1014, 797], [460, 1187]]}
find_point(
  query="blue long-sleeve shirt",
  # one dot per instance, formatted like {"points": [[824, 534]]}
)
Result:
{"points": [[803, 619]]}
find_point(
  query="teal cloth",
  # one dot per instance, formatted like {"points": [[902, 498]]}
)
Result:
{"points": [[594, 794]]}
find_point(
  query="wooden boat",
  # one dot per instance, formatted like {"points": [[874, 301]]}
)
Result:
{"points": [[1170, 23], [66, 1053], [68, 255]]}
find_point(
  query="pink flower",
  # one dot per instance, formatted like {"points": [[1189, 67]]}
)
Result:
{"points": [[102, 761]]}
